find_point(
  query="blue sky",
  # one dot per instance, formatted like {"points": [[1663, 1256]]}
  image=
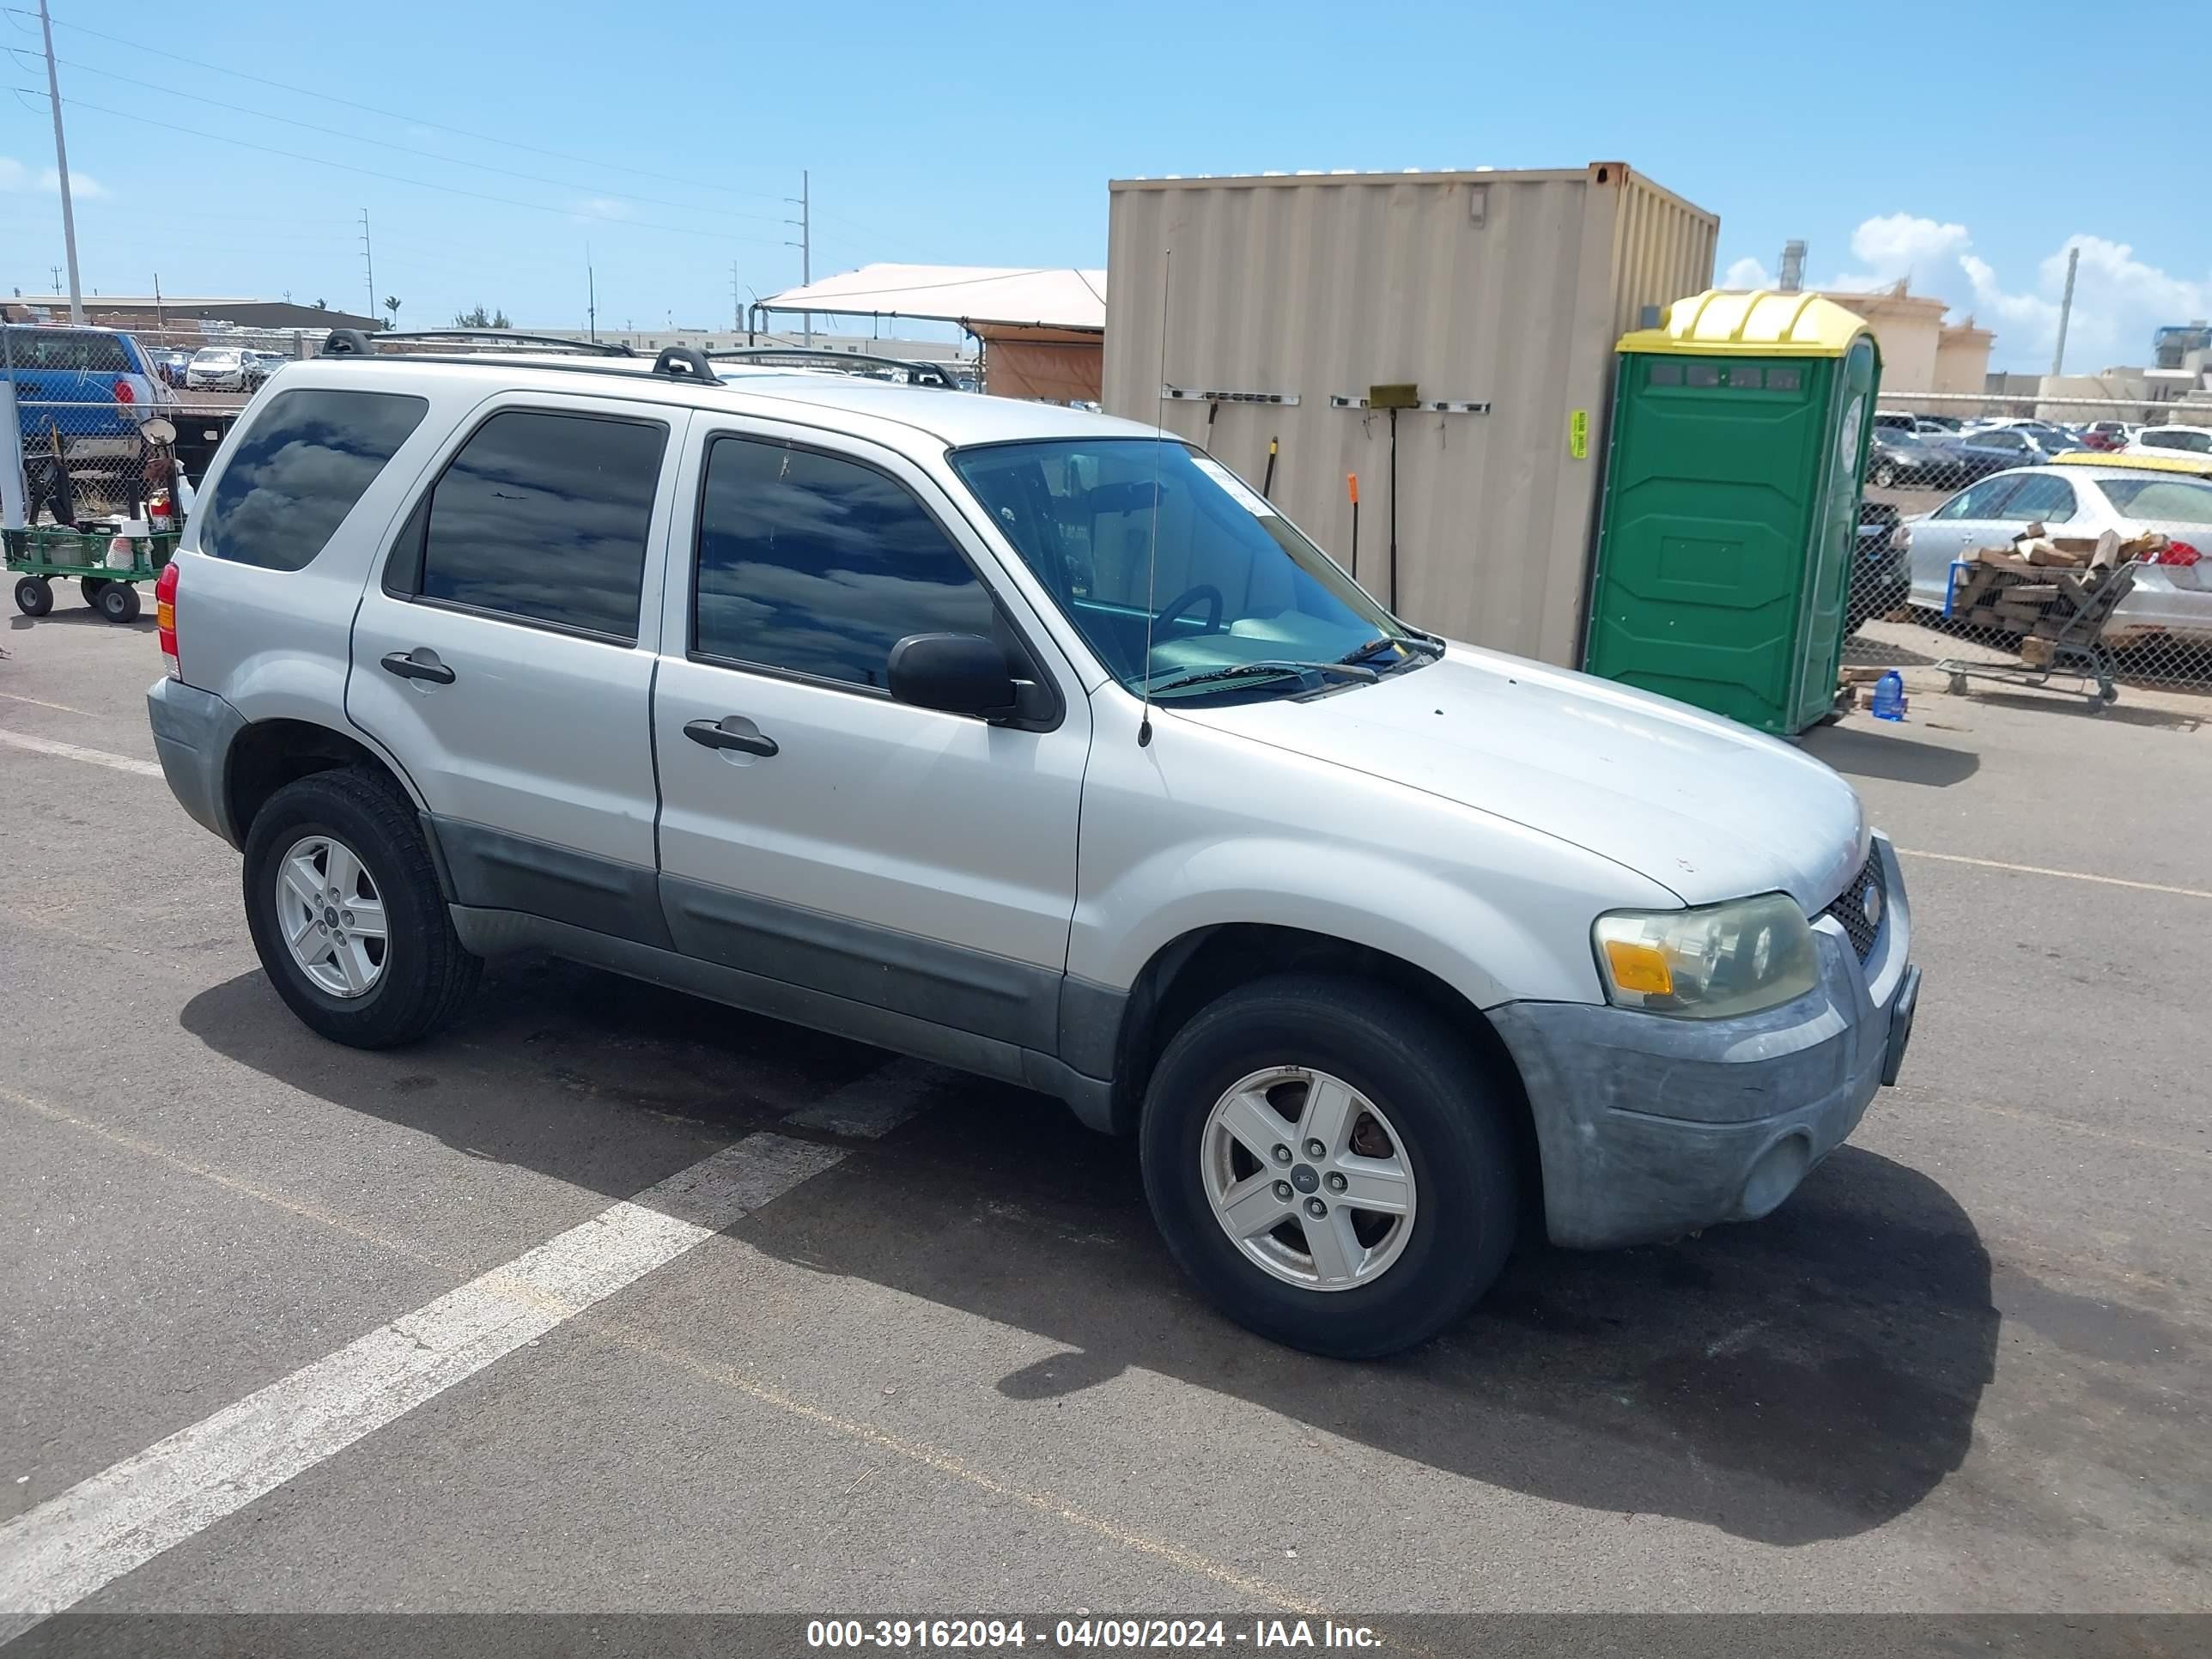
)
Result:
{"points": [[1966, 146]]}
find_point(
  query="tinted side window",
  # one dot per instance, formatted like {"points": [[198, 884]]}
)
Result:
{"points": [[1979, 503], [545, 517], [819, 566], [298, 471], [2040, 496]]}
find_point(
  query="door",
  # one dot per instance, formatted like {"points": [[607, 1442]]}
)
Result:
{"points": [[812, 830], [500, 657]]}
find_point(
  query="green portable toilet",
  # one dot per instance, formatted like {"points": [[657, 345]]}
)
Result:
{"points": [[1739, 428]]}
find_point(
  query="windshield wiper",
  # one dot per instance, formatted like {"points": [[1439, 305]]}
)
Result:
{"points": [[1420, 644], [1274, 667]]}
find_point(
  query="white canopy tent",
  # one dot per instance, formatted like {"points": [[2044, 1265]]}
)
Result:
{"points": [[1043, 329]]}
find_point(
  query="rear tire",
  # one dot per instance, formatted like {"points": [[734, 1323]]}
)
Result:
{"points": [[118, 602], [90, 586], [35, 596], [423, 974], [1446, 1123]]}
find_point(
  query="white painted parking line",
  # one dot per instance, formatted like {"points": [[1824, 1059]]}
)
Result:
{"points": [[874, 1105], [114, 1522], [2064, 875], [78, 752]]}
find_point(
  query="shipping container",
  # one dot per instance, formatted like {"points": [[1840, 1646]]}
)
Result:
{"points": [[1490, 300]]}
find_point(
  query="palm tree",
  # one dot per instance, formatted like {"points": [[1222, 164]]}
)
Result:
{"points": [[392, 306]]}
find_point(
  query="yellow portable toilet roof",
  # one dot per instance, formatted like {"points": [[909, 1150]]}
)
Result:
{"points": [[1721, 321]]}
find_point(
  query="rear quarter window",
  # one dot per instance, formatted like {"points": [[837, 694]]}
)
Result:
{"points": [[298, 471], [87, 350]]}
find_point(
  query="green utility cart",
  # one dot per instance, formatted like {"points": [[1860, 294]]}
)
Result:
{"points": [[1740, 427], [107, 566]]}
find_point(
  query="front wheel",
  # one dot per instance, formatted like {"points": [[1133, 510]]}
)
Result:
{"points": [[35, 596], [1885, 478], [344, 910], [1331, 1164]]}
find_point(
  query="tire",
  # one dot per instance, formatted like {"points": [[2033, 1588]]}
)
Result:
{"points": [[118, 601], [90, 586], [424, 975], [35, 596], [1446, 1120], [1885, 478]]}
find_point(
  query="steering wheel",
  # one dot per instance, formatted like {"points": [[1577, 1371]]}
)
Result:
{"points": [[1190, 596]]}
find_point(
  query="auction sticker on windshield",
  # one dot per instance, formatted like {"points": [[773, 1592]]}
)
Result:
{"points": [[1246, 497]]}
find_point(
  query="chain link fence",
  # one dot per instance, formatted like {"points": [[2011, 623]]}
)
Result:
{"points": [[2067, 544], [84, 399]]}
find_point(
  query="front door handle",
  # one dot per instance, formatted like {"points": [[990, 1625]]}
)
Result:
{"points": [[410, 667], [721, 734]]}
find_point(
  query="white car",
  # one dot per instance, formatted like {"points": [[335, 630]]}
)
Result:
{"points": [[2189, 440], [2081, 500], [1018, 738], [222, 368]]}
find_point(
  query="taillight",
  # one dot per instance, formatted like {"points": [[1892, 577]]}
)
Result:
{"points": [[124, 394], [165, 616], [2179, 553]]}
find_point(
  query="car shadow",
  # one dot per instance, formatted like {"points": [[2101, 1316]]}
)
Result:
{"points": [[68, 615], [1808, 1376], [1872, 752]]}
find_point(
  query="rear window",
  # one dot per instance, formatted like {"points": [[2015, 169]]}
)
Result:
{"points": [[298, 471], [87, 349], [2165, 500]]}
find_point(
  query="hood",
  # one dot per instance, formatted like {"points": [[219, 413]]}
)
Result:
{"points": [[1708, 809]]}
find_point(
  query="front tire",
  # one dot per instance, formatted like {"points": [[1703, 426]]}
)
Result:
{"points": [[1393, 1228], [344, 905], [35, 596]]}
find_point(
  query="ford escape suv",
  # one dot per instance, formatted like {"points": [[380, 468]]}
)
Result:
{"points": [[1039, 744]]}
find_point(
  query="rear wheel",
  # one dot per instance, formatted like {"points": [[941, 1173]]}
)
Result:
{"points": [[344, 910], [1331, 1164], [90, 586], [35, 596], [118, 601], [1885, 476]]}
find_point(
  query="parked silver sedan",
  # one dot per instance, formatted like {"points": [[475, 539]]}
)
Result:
{"points": [[2084, 499]]}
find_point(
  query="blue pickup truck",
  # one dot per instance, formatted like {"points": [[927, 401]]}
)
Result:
{"points": [[81, 395]]}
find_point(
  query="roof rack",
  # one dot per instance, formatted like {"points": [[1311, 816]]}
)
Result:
{"points": [[353, 342], [850, 362], [675, 362]]}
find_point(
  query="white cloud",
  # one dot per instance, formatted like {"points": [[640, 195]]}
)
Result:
{"points": [[2118, 298], [15, 176], [601, 207], [1747, 273]]}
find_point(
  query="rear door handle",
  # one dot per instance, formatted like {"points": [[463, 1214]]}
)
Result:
{"points": [[719, 735], [410, 667]]}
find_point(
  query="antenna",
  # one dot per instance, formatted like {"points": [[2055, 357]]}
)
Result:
{"points": [[1152, 555]]}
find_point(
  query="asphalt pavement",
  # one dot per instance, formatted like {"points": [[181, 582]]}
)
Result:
{"points": [[609, 1299]]}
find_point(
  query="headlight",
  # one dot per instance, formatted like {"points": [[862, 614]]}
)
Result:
{"points": [[1733, 958]]}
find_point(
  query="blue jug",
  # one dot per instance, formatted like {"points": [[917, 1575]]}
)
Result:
{"points": [[1889, 696]]}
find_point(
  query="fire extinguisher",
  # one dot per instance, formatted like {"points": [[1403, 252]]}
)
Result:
{"points": [[158, 513]]}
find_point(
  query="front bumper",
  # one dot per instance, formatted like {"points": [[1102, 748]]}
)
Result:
{"points": [[1649, 1127], [193, 734]]}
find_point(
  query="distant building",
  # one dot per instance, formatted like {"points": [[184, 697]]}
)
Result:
{"points": [[726, 339], [183, 313], [1921, 352]]}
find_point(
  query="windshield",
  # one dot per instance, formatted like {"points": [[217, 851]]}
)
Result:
{"points": [[2169, 501], [216, 354], [1232, 584]]}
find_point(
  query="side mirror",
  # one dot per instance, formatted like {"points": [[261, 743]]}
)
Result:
{"points": [[959, 673]]}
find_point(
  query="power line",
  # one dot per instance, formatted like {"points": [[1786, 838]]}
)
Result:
{"points": [[323, 95], [386, 144], [393, 178]]}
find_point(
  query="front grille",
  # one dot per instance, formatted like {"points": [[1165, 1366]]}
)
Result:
{"points": [[1850, 907]]}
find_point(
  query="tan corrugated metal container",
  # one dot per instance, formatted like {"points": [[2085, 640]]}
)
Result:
{"points": [[1508, 288]]}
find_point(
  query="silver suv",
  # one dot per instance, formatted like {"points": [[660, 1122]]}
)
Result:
{"points": [[1039, 744]]}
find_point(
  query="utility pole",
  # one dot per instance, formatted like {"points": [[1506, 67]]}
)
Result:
{"points": [[737, 307], [61, 171], [804, 225], [2065, 310], [368, 258], [57, 270], [160, 321], [591, 295]]}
